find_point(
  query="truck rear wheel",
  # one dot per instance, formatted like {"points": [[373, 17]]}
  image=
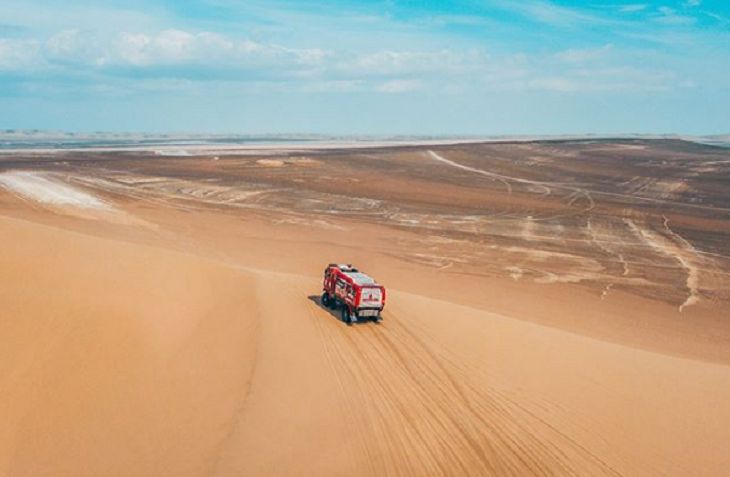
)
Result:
{"points": [[326, 300], [346, 316]]}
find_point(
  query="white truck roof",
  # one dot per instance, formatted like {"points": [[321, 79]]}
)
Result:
{"points": [[360, 278]]}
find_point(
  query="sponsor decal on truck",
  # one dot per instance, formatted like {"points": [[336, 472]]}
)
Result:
{"points": [[371, 297]]}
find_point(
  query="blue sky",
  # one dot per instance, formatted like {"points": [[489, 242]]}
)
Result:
{"points": [[366, 67]]}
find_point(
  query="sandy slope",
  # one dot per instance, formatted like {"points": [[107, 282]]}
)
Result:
{"points": [[138, 361], [116, 359]]}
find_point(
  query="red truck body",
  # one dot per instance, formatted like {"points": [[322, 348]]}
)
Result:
{"points": [[356, 294]]}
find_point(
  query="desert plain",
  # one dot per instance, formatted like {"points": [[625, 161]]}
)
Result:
{"points": [[554, 308]]}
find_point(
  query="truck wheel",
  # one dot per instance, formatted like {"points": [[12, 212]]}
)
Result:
{"points": [[346, 315], [325, 300]]}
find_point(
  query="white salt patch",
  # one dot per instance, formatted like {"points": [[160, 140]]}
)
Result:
{"points": [[173, 152], [270, 162], [43, 188]]}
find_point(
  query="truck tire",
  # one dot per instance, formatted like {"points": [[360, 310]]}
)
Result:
{"points": [[346, 317], [325, 300]]}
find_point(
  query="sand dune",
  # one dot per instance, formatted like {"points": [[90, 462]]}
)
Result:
{"points": [[198, 347], [117, 359], [157, 363]]}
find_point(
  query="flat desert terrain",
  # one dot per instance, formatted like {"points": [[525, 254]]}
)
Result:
{"points": [[555, 308]]}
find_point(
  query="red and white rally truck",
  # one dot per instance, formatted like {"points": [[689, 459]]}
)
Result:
{"points": [[356, 294]]}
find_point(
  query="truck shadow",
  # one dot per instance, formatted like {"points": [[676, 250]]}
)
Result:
{"points": [[336, 314], [333, 313]]}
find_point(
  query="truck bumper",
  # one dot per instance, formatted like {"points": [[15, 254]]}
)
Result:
{"points": [[368, 313]]}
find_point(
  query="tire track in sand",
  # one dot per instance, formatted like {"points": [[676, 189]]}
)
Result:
{"points": [[604, 245], [683, 252], [575, 195], [491, 175], [424, 417], [492, 402]]}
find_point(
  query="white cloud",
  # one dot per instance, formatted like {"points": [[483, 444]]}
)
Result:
{"points": [[143, 50], [413, 63], [178, 59], [399, 86], [73, 46], [669, 16], [170, 47], [548, 12], [19, 54], [580, 55], [177, 47], [612, 79], [636, 7], [40, 15]]}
